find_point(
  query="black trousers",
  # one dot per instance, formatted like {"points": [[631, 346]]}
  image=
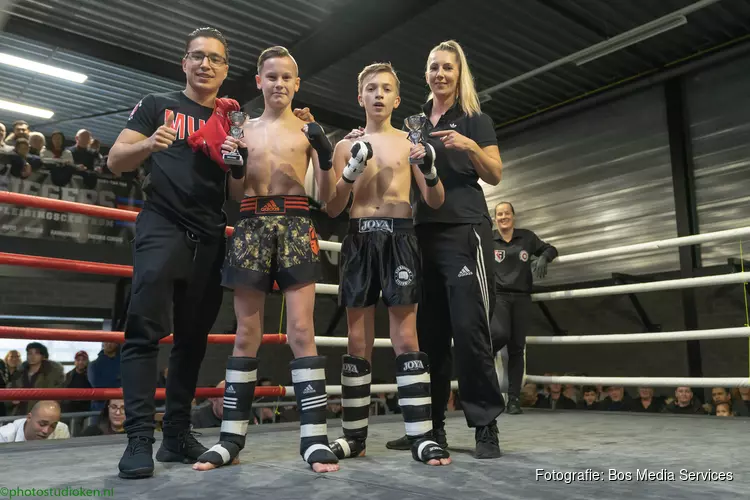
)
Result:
{"points": [[457, 300], [174, 276], [509, 327]]}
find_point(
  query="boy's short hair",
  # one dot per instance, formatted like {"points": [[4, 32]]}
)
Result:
{"points": [[588, 388], [273, 52], [374, 69]]}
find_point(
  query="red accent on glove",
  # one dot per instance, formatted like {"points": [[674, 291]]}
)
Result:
{"points": [[211, 136]]}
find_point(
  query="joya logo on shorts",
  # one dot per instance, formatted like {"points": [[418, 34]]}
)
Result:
{"points": [[403, 276], [350, 368], [415, 364], [373, 225]]}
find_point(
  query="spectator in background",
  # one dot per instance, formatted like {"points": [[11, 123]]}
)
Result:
{"points": [[646, 402], [43, 422], [530, 397], [36, 143], [95, 146], [617, 400], [4, 148], [209, 413], [111, 419], [590, 398], [556, 399], [55, 149], [718, 395], [20, 162], [83, 157], [572, 391], [37, 372], [104, 371], [724, 409], [684, 403], [741, 401], [78, 378], [20, 131]]}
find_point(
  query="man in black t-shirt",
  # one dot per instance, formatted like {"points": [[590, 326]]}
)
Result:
{"points": [[178, 253]]}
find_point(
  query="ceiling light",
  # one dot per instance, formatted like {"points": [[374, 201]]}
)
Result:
{"points": [[26, 110], [44, 69], [626, 39]]}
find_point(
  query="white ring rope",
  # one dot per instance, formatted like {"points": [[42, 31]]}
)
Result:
{"points": [[639, 338], [644, 381], [335, 390]]}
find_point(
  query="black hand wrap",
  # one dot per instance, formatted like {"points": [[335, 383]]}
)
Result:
{"points": [[238, 171], [320, 143]]}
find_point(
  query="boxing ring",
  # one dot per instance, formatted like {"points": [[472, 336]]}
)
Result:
{"points": [[548, 454]]}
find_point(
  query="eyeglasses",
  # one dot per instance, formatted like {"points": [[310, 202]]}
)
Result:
{"points": [[214, 59], [117, 409]]}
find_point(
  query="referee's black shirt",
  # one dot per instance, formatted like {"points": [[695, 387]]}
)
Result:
{"points": [[464, 198], [513, 262]]}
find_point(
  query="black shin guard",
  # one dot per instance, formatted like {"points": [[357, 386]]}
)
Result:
{"points": [[309, 379], [355, 406], [239, 392], [413, 379]]}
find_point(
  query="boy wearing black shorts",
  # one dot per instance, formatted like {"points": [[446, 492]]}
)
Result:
{"points": [[380, 254]]}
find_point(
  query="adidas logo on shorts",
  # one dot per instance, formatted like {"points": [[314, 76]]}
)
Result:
{"points": [[271, 206], [465, 272], [230, 389], [309, 389]]}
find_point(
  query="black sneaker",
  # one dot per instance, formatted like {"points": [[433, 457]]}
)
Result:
{"points": [[137, 462], [404, 443], [440, 438], [514, 406], [488, 445], [180, 447]]}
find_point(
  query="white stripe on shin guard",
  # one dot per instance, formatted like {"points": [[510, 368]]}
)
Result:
{"points": [[313, 448], [313, 430], [404, 380], [355, 402], [415, 401], [356, 381], [237, 427], [308, 375], [240, 377], [418, 428], [223, 452], [357, 424]]}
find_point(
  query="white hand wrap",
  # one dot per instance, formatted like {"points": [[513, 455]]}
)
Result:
{"points": [[361, 152]]}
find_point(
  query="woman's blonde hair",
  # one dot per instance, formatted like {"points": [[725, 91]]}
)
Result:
{"points": [[466, 92]]}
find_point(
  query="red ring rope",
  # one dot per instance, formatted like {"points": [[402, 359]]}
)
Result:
{"points": [[73, 207], [102, 394], [20, 332]]}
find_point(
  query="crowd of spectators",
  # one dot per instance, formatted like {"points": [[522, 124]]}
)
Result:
{"points": [[723, 403]]}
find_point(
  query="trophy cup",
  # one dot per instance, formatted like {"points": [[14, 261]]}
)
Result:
{"points": [[415, 123], [236, 120]]}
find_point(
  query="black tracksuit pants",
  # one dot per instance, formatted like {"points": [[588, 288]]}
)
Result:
{"points": [[457, 300], [509, 326], [176, 281]]}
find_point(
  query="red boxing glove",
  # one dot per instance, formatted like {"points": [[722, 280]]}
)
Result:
{"points": [[211, 136]]}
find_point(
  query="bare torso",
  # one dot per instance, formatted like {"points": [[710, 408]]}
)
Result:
{"points": [[278, 156], [384, 187]]}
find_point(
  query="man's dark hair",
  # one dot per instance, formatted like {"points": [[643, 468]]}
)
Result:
{"points": [[208, 33], [20, 122], [39, 347], [588, 388]]}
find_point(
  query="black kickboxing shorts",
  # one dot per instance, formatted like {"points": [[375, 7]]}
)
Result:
{"points": [[380, 254], [274, 240]]}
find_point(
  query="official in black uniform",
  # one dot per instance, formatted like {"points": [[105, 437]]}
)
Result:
{"points": [[514, 266], [456, 249], [178, 253]]}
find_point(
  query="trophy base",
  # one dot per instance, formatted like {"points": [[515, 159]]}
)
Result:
{"points": [[416, 161], [233, 159]]}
